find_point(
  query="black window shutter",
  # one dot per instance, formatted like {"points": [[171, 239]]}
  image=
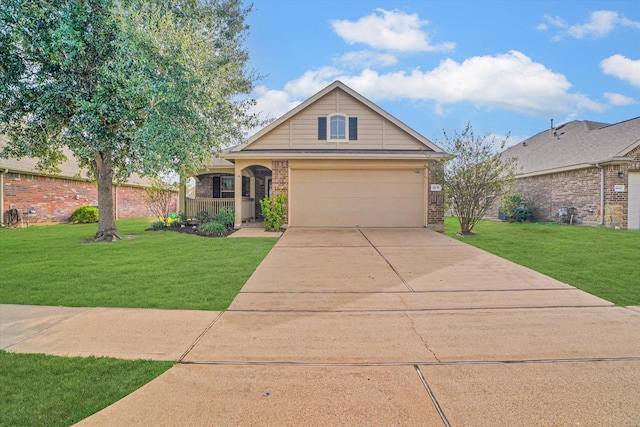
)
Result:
{"points": [[216, 187], [322, 128], [353, 128]]}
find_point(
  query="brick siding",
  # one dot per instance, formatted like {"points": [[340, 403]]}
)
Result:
{"points": [[280, 180], [436, 201], [55, 199], [580, 190]]}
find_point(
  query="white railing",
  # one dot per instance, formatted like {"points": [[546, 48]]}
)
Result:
{"points": [[213, 206]]}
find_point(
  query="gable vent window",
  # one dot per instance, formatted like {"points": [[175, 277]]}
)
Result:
{"points": [[338, 128]]}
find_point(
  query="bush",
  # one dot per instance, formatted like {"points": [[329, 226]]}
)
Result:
{"points": [[273, 210], [203, 217], [85, 215], [158, 225], [226, 217], [514, 207], [159, 199], [213, 228]]}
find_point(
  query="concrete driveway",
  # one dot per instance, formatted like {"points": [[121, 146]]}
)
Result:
{"points": [[391, 327]]}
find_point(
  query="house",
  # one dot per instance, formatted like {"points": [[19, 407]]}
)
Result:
{"points": [[341, 160], [582, 172], [52, 198]]}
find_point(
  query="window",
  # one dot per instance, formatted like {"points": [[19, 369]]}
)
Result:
{"points": [[337, 127], [223, 187], [338, 130]]}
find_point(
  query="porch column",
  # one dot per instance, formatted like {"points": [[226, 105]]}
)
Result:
{"points": [[237, 192]]}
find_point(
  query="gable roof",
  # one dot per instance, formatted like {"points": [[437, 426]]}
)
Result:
{"points": [[337, 85], [575, 145]]}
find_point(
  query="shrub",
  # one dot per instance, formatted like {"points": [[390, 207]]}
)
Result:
{"points": [[226, 217], [85, 215], [213, 228], [159, 199], [158, 225], [203, 217], [514, 207], [175, 223], [273, 210]]}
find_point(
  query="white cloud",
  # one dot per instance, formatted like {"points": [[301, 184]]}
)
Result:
{"points": [[270, 104], [311, 82], [511, 81], [619, 99], [366, 59], [623, 68], [389, 30], [599, 24]]}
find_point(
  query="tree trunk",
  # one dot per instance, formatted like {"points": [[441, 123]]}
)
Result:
{"points": [[103, 167]]}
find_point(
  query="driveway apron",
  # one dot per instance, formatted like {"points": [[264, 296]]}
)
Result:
{"points": [[399, 327]]}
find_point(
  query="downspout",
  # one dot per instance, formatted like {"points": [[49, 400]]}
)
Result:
{"points": [[601, 193]]}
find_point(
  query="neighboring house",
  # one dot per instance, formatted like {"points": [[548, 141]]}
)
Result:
{"points": [[582, 172], [341, 160], [54, 197]]}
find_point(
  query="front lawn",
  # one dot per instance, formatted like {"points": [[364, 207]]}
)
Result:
{"points": [[39, 390], [54, 265], [602, 261]]}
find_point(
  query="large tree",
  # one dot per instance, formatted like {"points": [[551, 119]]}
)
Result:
{"points": [[128, 86], [475, 175]]}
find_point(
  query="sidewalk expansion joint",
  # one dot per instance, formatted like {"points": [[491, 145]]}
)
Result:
{"points": [[427, 291], [387, 261], [411, 363], [418, 310], [432, 397], [180, 360]]}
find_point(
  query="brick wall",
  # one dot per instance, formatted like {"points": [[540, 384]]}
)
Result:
{"points": [[580, 189], [435, 212], [280, 180], [55, 198]]}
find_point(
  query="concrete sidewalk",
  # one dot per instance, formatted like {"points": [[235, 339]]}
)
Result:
{"points": [[369, 327]]}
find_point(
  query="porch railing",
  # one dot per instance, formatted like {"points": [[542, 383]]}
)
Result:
{"points": [[213, 206]]}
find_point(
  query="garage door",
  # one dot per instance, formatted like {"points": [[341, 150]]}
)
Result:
{"points": [[634, 201], [350, 198]]}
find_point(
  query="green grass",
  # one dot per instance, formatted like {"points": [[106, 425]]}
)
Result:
{"points": [[38, 390], [602, 261], [54, 265]]}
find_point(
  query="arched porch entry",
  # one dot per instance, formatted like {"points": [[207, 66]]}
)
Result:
{"points": [[230, 186], [254, 180]]}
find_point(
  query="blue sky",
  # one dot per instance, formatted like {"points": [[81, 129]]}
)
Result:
{"points": [[506, 66]]}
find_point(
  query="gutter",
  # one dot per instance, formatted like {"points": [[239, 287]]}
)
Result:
{"points": [[333, 156]]}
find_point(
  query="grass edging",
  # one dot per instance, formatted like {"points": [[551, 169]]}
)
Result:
{"points": [[600, 261]]}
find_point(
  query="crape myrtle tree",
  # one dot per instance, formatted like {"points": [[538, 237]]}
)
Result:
{"points": [[475, 175], [128, 86]]}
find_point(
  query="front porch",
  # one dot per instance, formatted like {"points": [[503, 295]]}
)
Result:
{"points": [[212, 207], [226, 185]]}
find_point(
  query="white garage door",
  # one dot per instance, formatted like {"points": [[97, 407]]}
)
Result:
{"points": [[634, 201], [364, 198]]}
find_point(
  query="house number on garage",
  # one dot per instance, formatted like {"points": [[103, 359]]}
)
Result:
{"points": [[436, 187], [618, 188]]}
